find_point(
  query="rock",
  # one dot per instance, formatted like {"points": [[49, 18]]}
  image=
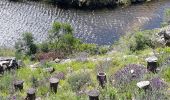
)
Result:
{"points": [[67, 61], [131, 71], [167, 34], [13, 64], [50, 69], [38, 98], [167, 43], [57, 60], [34, 66], [60, 75], [143, 84]]}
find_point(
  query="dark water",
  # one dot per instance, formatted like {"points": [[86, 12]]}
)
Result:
{"points": [[99, 26]]}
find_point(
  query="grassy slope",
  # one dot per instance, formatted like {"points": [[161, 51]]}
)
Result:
{"points": [[121, 56]]}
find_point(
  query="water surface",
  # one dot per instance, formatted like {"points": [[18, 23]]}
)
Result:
{"points": [[99, 26]]}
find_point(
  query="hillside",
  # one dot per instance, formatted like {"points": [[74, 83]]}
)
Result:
{"points": [[123, 73]]}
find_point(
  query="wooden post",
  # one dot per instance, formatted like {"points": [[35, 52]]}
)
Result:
{"points": [[93, 95], [152, 64], [31, 94], [18, 85], [54, 84], [101, 77]]}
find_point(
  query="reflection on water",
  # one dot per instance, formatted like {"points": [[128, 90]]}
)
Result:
{"points": [[101, 26]]}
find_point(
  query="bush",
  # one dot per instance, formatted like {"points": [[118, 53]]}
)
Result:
{"points": [[141, 41], [167, 74], [44, 47], [77, 80], [89, 48], [26, 45]]}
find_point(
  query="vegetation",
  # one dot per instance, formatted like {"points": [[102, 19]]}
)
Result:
{"points": [[79, 75], [88, 4], [60, 43]]}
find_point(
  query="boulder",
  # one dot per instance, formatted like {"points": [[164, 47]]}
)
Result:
{"points": [[34, 66], [167, 34], [57, 60], [49, 70], [143, 84], [60, 75]]}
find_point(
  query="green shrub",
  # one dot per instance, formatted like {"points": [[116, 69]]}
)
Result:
{"points": [[167, 74], [26, 45], [89, 48], [108, 93], [141, 41], [6, 84], [167, 15], [68, 43], [78, 80], [44, 47]]}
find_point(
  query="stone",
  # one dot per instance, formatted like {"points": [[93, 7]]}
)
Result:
{"points": [[13, 64], [60, 75], [101, 77], [93, 95], [167, 43], [36, 65], [143, 84], [50, 69], [167, 34], [57, 60], [54, 84], [131, 71]]}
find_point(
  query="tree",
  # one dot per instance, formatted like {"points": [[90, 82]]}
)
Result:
{"points": [[26, 45]]}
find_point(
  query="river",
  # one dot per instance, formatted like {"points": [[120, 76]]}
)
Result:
{"points": [[102, 26]]}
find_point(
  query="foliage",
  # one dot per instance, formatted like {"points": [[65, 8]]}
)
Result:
{"points": [[26, 45], [77, 80], [141, 42], [167, 15], [167, 74]]}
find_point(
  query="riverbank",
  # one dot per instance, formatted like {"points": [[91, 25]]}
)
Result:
{"points": [[89, 4]]}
